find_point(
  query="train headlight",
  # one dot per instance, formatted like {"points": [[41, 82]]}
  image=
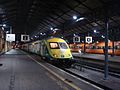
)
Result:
{"points": [[54, 55], [62, 55]]}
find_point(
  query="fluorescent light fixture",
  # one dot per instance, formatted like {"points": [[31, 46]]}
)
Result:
{"points": [[74, 17], [103, 36], [42, 33], [79, 19], [95, 31], [62, 37], [2, 28], [97, 42], [51, 28], [56, 29], [7, 32], [74, 35], [4, 25]]}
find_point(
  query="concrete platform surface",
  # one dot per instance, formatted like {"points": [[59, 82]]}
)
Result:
{"points": [[97, 56], [21, 71]]}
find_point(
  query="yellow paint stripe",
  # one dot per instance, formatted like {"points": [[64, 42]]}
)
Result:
{"points": [[58, 76]]}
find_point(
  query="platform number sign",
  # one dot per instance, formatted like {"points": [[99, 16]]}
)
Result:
{"points": [[89, 39], [25, 38], [10, 37], [76, 39]]}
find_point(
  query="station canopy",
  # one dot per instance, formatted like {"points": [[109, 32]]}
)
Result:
{"points": [[63, 18]]}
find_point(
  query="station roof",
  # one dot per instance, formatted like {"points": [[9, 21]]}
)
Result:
{"points": [[38, 18]]}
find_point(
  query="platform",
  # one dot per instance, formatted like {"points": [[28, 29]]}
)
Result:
{"points": [[97, 57], [21, 71]]}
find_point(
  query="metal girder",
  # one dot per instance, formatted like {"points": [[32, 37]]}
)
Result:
{"points": [[55, 19], [78, 12]]}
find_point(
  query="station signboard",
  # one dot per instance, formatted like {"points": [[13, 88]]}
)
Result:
{"points": [[25, 38], [88, 39], [10, 37], [76, 39]]}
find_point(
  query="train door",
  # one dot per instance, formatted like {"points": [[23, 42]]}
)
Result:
{"points": [[39, 52], [37, 48], [44, 50]]}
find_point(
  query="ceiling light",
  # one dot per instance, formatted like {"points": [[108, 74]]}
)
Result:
{"points": [[2, 28], [74, 17], [103, 36], [95, 31], [56, 29], [79, 19], [51, 28], [4, 25], [97, 42]]}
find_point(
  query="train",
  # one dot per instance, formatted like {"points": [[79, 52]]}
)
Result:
{"points": [[53, 49], [96, 48]]}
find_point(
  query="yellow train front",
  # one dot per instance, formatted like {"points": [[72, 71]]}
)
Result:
{"points": [[55, 49]]}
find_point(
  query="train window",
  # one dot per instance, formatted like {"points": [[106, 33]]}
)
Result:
{"points": [[99, 47], [109, 47], [118, 47], [54, 45], [93, 47], [63, 45]]}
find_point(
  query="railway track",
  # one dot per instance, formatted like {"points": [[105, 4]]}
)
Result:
{"points": [[81, 68], [78, 64], [63, 67], [81, 65], [97, 66]]}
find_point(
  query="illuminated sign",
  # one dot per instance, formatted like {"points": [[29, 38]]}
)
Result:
{"points": [[76, 39], [10, 37], [89, 39], [25, 38]]}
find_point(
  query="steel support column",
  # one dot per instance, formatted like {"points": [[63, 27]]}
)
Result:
{"points": [[113, 46], [84, 45], [106, 45]]}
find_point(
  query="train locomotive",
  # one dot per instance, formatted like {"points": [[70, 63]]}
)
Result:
{"points": [[54, 49]]}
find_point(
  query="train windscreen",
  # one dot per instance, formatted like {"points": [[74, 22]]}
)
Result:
{"points": [[63, 45], [54, 45]]}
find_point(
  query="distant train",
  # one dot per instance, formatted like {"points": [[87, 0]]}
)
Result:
{"points": [[52, 49], [96, 48]]}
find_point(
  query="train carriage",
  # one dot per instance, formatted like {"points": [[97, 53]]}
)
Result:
{"points": [[55, 49], [97, 48]]}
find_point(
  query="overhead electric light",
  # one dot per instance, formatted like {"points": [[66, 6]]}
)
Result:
{"points": [[95, 31], [42, 33], [4, 25], [2, 28], [79, 19], [56, 29], [97, 42], [74, 17], [51, 28], [103, 36], [7, 31]]}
